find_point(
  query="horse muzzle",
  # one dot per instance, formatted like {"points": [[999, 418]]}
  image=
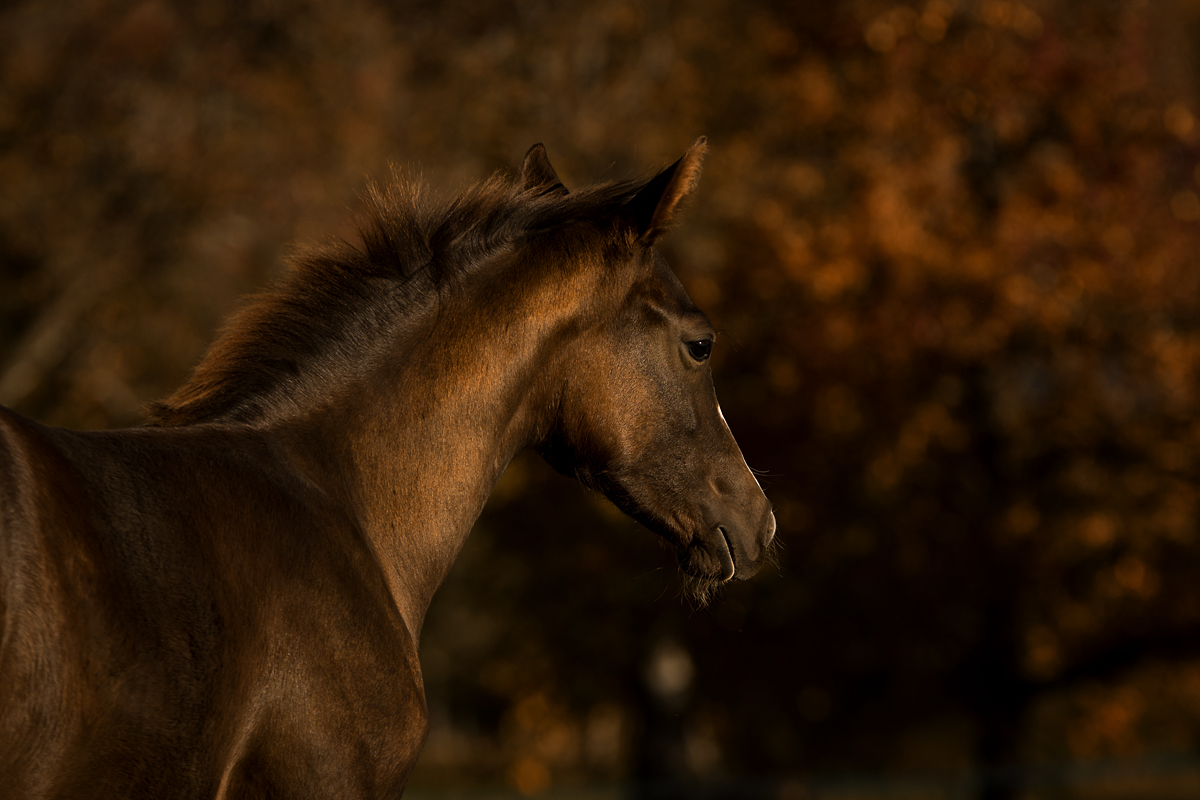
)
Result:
{"points": [[730, 547]]}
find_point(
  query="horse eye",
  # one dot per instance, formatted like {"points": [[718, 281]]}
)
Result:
{"points": [[700, 349]]}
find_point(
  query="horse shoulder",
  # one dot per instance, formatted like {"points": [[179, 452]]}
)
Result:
{"points": [[242, 630], [320, 691], [344, 720], [41, 636]]}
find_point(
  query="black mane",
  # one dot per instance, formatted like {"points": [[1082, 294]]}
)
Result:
{"points": [[319, 316]]}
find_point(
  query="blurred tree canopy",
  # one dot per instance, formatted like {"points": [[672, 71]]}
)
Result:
{"points": [[951, 247]]}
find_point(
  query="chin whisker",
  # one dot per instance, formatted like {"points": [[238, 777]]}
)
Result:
{"points": [[700, 591]]}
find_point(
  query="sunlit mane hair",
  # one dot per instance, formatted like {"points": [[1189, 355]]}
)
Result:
{"points": [[321, 315]]}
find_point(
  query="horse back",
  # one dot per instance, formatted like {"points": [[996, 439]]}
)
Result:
{"points": [[182, 616]]}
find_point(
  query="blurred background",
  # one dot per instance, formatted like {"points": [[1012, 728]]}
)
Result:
{"points": [[952, 251]]}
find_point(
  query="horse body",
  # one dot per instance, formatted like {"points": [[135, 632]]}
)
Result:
{"points": [[228, 603]]}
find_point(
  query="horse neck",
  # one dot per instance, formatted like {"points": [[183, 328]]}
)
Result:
{"points": [[417, 445]]}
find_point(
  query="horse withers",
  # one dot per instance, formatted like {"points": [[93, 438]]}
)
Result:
{"points": [[227, 602]]}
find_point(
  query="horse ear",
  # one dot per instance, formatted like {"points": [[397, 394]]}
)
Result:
{"points": [[655, 205], [537, 175]]}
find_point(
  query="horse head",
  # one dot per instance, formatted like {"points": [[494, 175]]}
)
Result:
{"points": [[636, 413]]}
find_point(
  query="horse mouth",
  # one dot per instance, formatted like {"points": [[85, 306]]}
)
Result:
{"points": [[709, 557], [729, 566]]}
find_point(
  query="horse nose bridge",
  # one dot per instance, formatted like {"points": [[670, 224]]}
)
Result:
{"points": [[733, 474], [731, 477], [734, 480]]}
